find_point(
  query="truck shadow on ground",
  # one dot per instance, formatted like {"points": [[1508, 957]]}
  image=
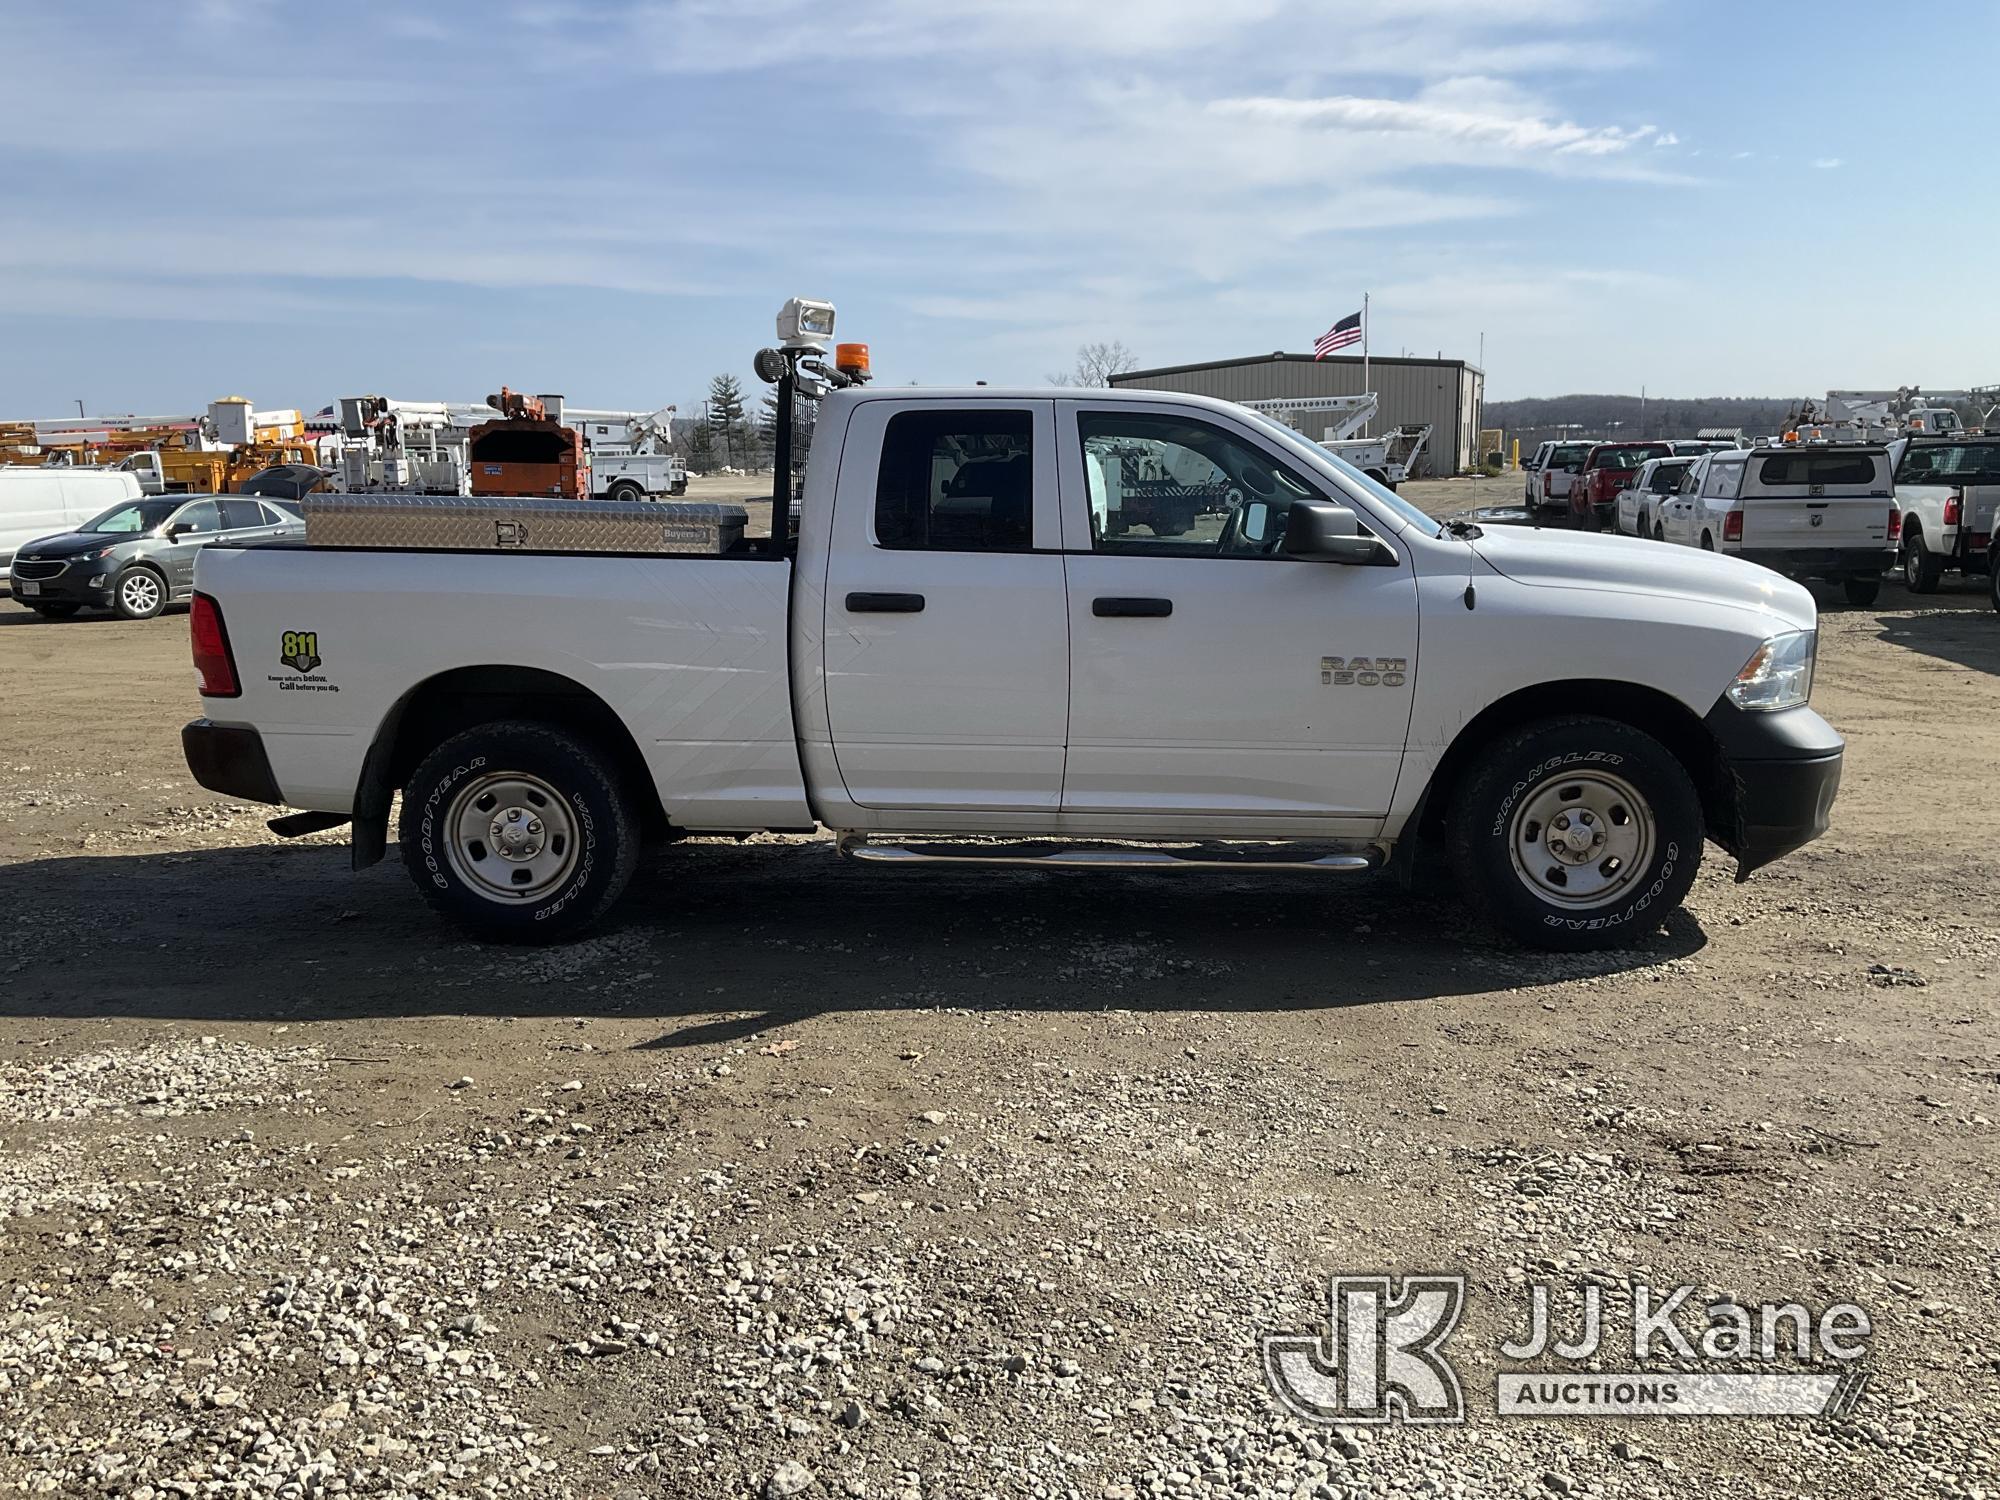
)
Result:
{"points": [[724, 940], [1959, 627]]}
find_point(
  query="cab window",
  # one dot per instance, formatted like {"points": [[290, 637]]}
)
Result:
{"points": [[1173, 486], [957, 481]]}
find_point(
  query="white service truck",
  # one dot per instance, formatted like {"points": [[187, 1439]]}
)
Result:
{"points": [[632, 455], [954, 661]]}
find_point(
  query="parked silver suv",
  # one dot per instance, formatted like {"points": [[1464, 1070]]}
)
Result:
{"points": [[138, 557]]}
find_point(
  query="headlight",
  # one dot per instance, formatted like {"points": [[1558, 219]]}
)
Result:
{"points": [[1779, 673]]}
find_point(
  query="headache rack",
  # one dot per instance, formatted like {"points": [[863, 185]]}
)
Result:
{"points": [[507, 523]]}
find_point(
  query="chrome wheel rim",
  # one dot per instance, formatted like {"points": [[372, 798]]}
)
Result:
{"points": [[1582, 840], [511, 837], [140, 593]]}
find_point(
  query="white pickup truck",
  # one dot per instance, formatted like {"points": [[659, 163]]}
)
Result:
{"points": [[958, 661], [1948, 489]]}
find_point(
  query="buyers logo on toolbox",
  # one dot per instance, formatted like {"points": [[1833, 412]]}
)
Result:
{"points": [[299, 650]]}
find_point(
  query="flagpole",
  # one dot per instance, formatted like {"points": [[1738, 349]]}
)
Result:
{"points": [[1364, 356]]}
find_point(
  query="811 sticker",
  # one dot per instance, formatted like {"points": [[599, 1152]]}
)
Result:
{"points": [[299, 650]]}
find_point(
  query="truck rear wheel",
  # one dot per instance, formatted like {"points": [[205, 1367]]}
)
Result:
{"points": [[1921, 568], [1861, 592], [519, 832], [626, 490], [1577, 833]]}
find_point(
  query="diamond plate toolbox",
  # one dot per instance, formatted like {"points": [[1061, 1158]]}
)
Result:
{"points": [[487, 523]]}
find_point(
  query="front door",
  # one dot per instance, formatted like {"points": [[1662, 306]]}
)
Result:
{"points": [[193, 527], [946, 644], [1209, 672]]}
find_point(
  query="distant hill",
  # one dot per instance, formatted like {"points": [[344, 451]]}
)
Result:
{"points": [[1541, 417]]}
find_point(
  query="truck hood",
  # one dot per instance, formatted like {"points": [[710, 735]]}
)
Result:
{"points": [[1623, 564]]}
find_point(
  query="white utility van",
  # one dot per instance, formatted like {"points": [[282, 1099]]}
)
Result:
{"points": [[1806, 511], [38, 502]]}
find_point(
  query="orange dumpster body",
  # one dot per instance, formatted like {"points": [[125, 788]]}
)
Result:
{"points": [[527, 456]]}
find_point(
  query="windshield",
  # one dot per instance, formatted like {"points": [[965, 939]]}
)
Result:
{"points": [[1377, 494], [1950, 463], [135, 516], [1628, 458]]}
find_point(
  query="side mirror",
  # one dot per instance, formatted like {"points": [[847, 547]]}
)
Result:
{"points": [[180, 529], [1322, 532]]}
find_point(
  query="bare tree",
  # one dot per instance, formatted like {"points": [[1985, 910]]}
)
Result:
{"points": [[1097, 363]]}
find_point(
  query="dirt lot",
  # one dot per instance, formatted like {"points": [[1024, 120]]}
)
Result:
{"points": [[957, 1185]]}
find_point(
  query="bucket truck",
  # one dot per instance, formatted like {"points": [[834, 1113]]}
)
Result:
{"points": [[631, 452], [1388, 459]]}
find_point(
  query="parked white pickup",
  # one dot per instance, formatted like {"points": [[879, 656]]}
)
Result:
{"points": [[1313, 676], [1818, 511], [1949, 491]]}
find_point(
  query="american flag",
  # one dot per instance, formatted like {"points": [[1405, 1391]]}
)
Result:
{"points": [[1346, 331]]}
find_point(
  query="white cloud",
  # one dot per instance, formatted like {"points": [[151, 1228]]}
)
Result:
{"points": [[1666, 138], [1826, 163], [1472, 111]]}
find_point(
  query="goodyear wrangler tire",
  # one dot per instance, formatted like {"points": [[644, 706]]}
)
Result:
{"points": [[1577, 833], [519, 832]]}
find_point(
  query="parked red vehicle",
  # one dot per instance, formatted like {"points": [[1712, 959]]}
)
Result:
{"points": [[1607, 469]]}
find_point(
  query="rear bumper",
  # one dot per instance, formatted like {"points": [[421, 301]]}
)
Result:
{"points": [[230, 760], [1822, 562], [1781, 772]]}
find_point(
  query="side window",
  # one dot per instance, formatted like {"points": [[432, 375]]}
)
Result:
{"points": [[957, 481], [1722, 481], [1172, 486], [201, 517], [242, 515]]}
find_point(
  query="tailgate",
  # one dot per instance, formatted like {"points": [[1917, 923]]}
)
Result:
{"points": [[1982, 502], [1859, 521]]}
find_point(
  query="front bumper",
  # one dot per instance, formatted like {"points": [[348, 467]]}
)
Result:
{"points": [[72, 585], [1821, 562], [230, 760], [1780, 772]]}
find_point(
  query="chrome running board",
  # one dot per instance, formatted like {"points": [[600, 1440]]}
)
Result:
{"points": [[1237, 856]]}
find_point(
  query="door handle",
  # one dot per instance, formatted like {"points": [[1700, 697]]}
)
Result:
{"points": [[885, 604], [1139, 609]]}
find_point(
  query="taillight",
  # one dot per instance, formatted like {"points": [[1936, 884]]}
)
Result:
{"points": [[213, 664], [1732, 526], [1895, 523], [1954, 507]]}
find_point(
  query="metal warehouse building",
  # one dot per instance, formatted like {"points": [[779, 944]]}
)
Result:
{"points": [[1447, 393]]}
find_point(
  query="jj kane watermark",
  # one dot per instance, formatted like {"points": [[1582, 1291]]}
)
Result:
{"points": [[1383, 1357]]}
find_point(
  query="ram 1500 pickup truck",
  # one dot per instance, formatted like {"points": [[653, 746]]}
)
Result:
{"points": [[960, 659]]}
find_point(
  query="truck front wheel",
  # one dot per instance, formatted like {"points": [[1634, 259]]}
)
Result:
{"points": [[1577, 833], [519, 832]]}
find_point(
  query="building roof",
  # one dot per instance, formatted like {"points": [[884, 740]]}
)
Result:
{"points": [[1279, 356]]}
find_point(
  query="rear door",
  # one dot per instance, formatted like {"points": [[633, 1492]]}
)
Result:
{"points": [[1806, 500], [946, 639], [244, 520], [1677, 510]]}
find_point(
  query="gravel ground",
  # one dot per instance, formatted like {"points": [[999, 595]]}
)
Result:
{"points": [[809, 1179]]}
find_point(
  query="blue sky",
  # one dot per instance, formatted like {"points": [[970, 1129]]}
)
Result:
{"points": [[298, 201]]}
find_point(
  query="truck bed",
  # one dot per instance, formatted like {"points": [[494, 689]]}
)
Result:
{"points": [[689, 652]]}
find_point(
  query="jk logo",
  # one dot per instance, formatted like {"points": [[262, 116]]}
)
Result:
{"points": [[1382, 1360]]}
